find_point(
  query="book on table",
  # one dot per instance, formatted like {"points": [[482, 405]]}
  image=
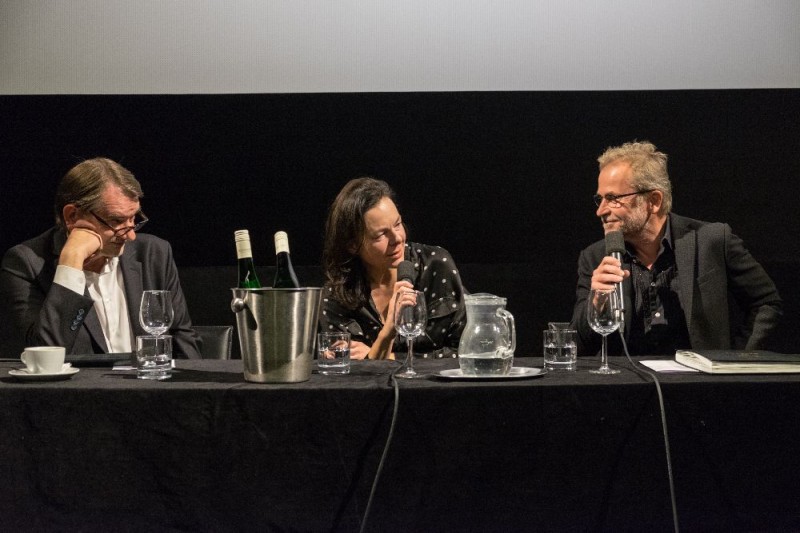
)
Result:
{"points": [[739, 361]]}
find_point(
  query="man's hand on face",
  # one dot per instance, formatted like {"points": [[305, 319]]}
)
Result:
{"points": [[82, 245]]}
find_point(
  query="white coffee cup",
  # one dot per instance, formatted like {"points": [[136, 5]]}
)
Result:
{"points": [[44, 359]]}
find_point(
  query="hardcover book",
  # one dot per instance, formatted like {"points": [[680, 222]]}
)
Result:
{"points": [[739, 361]]}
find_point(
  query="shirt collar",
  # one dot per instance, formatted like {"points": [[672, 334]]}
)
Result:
{"points": [[666, 242], [110, 266]]}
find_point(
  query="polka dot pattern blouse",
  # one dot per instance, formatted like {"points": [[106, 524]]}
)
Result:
{"points": [[438, 278]]}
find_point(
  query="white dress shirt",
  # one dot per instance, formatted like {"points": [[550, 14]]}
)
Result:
{"points": [[107, 291]]}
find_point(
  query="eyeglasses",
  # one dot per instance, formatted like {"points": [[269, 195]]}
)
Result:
{"points": [[119, 232], [613, 199]]}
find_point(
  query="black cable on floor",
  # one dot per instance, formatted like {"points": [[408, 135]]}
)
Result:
{"points": [[653, 376], [396, 386]]}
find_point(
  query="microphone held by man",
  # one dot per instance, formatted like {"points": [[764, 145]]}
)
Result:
{"points": [[615, 247]]}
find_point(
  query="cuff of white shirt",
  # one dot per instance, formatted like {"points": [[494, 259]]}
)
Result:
{"points": [[70, 278]]}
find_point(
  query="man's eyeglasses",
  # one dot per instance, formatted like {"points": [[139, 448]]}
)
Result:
{"points": [[613, 199], [119, 232]]}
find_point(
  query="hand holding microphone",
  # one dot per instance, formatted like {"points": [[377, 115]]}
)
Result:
{"points": [[405, 282], [382, 347], [609, 273], [615, 247]]}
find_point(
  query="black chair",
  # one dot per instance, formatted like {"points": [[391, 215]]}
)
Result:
{"points": [[215, 341]]}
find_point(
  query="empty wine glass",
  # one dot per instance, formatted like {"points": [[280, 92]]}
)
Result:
{"points": [[603, 316], [155, 312], [410, 317]]}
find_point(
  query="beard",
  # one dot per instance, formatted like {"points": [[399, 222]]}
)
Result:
{"points": [[635, 222]]}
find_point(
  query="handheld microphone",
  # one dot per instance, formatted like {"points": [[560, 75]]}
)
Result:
{"points": [[406, 272], [615, 247]]}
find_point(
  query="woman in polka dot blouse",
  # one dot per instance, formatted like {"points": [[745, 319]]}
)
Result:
{"points": [[365, 240]]}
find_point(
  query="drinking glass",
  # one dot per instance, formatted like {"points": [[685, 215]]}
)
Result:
{"points": [[154, 357], [603, 315], [410, 317], [155, 312], [333, 349]]}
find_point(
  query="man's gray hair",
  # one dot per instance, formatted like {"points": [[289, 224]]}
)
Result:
{"points": [[649, 168]]}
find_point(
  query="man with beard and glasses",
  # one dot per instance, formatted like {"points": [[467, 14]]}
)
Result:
{"points": [[79, 284], [679, 275]]}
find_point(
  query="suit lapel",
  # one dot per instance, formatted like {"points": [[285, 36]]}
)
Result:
{"points": [[132, 280], [685, 252], [92, 325]]}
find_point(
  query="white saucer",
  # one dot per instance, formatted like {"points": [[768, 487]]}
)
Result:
{"points": [[516, 372], [67, 372]]}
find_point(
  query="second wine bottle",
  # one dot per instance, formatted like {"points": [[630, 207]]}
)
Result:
{"points": [[285, 278]]}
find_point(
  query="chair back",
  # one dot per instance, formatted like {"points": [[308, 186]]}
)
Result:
{"points": [[215, 341]]}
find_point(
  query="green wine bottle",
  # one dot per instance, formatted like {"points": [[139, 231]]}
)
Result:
{"points": [[285, 278], [247, 270]]}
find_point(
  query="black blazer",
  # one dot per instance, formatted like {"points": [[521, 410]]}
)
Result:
{"points": [[35, 311], [714, 271]]}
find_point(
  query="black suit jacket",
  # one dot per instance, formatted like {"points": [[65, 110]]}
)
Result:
{"points": [[37, 311], [714, 271]]}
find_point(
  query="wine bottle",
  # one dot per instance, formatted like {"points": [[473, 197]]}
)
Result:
{"points": [[285, 278], [247, 270]]}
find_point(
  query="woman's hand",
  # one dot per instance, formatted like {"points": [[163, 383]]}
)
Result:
{"points": [[358, 350], [398, 288], [382, 347]]}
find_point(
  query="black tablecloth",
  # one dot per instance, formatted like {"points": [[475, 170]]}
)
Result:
{"points": [[207, 451]]}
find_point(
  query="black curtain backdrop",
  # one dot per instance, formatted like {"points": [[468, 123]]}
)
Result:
{"points": [[497, 178]]}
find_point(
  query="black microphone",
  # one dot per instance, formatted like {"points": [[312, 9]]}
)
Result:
{"points": [[615, 247], [406, 272]]}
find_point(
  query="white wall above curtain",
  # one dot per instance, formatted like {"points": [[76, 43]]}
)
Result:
{"points": [[276, 46]]}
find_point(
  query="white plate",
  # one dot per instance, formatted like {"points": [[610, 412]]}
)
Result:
{"points": [[516, 372], [24, 375]]}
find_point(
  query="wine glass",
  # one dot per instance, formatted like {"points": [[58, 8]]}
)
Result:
{"points": [[410, 316], [603, 316], [155, 312]]}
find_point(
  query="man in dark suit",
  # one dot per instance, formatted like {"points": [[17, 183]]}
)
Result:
{"points": [[79, 284], [681, 278]]}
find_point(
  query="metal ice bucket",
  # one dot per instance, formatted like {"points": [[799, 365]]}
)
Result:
{"points": [[277, 331]]}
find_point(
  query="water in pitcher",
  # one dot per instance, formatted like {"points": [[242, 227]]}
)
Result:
{"points": [[485, 364]]}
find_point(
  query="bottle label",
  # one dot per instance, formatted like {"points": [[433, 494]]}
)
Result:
{"points": [[243, 250]]}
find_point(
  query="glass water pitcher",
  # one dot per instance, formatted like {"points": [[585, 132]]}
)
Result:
{"points": [[489, 338]]}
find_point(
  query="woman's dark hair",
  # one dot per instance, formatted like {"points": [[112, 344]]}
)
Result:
{"points": [[344, 234]]}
